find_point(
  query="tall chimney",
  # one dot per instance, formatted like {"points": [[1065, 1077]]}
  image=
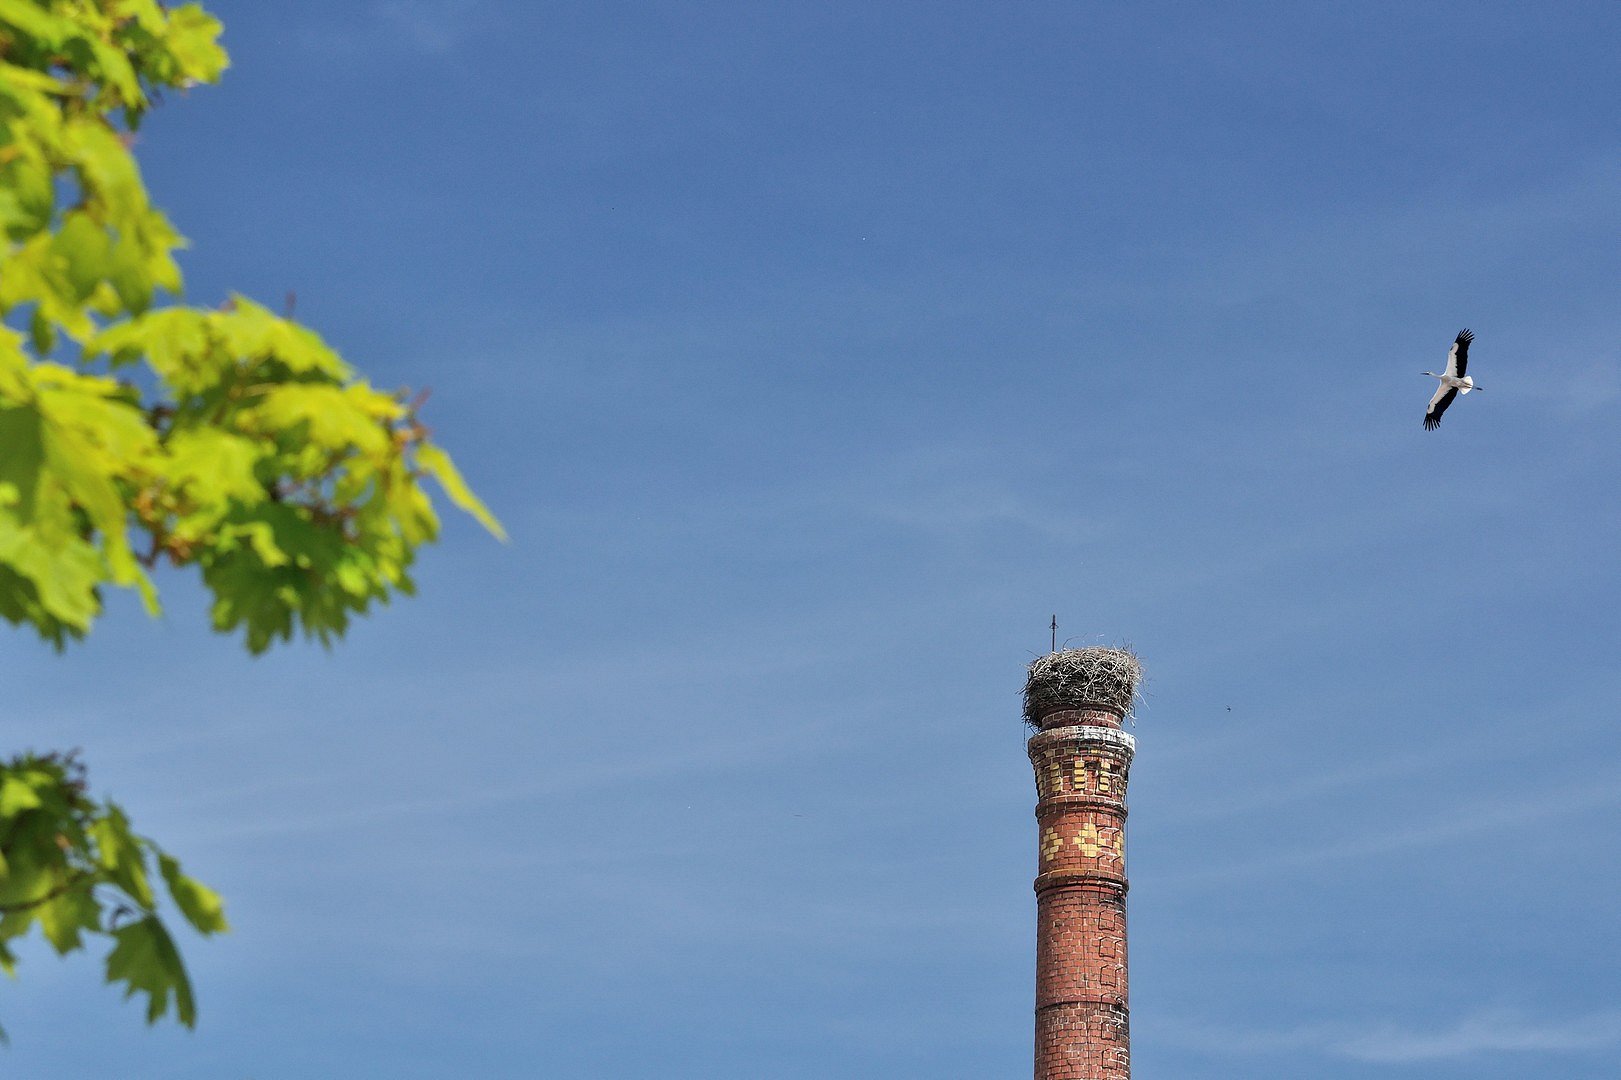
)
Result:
{"points": [[1076, 700]]}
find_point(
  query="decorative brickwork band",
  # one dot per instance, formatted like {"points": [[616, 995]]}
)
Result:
{"points": [[1077, 699]]}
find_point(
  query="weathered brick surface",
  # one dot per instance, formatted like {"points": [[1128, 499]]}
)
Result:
{"points": [[1083, 1042], [1080, 946], [1082, 1027]]}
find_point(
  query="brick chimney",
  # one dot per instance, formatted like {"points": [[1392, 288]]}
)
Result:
{"points": [[1076, 699]]}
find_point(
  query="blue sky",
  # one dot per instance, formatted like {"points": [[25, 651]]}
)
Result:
{"points": [[814, 355]]}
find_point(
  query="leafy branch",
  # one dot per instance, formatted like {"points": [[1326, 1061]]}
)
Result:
{"points": [[78, 878], [234, 439], [72, 866], [135, 431]]}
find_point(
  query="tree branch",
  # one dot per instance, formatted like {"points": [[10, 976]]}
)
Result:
{"points": [[66, 886]]}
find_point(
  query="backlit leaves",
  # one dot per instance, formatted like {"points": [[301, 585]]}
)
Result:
{"points": [[234, 440]]}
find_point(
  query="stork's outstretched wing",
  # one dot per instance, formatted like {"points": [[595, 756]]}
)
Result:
{"points": [[1438, 405], [1458, 358]]}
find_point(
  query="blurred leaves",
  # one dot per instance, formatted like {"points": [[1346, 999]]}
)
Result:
{"points": [[72, 866]]}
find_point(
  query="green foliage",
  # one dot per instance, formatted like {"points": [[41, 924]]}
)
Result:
{"points": [[72, 866], [136, 432], [231, 440]]}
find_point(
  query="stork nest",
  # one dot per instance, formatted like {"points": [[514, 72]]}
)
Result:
{"points": [[1075, 678]]}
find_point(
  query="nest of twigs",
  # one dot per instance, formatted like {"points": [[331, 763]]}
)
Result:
{"points": [[1077, 678]]}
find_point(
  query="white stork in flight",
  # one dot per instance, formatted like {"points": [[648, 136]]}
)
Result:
{"points": [[1453, 382]]}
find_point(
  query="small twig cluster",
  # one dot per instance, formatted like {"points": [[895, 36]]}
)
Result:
{"points": [[1073, 678]]}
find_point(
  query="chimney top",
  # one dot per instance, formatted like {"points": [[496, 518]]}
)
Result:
{"points": [[1092, 677]]}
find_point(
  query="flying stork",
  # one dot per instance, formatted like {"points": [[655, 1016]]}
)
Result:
{"points": [[1453, 382]]}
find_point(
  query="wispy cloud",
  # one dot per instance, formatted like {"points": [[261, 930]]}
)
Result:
{"points": [[429, 26], [1579, 384], [1296, 789], [1460, 824], [1485, 1031], [944, 488], [571, 779], [1404, 240], [424, 27]]}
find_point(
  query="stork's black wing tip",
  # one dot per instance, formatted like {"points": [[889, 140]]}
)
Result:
{"points": [[1431, 423], [1465, 336]]}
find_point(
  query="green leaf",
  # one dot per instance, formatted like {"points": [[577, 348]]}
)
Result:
{"points": [[25, 77], [214, 467], [122, 855], [193, 36], [63, 918], [48, 578], [146, 959], [84, 251], [201, 905], [34, 21], [31, 195], [437, 464], [41, 334], [115, 69], [22, 456], [173, 342], [329, 417], [130, 275], [16, 795]]}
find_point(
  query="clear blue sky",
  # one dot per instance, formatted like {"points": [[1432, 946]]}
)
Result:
{"points": [[814, 355]]}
